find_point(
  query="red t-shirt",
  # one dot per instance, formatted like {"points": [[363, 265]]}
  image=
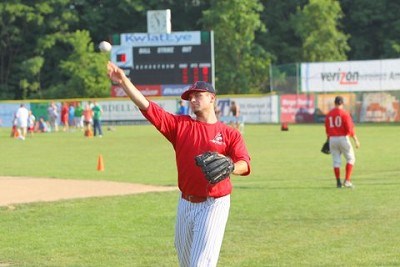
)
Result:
{"points": [[190, 138], [338, 122], [64, 114]]}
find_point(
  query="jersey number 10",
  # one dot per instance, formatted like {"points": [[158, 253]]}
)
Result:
{"points": [[335, 122]]}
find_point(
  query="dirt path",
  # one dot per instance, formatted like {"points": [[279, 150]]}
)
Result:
{"points": [[16, 190]]}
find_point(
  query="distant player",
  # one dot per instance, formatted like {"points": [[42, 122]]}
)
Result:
{"points": [[203, 207], [339, 127]]}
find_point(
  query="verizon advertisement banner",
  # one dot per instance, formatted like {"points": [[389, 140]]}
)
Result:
{"points": [[351, 76]]}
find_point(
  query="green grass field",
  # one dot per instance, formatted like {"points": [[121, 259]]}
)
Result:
{"points": [[288, 212]]}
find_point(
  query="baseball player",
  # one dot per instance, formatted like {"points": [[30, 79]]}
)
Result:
{"points": [[203, 206], [339, 127]]}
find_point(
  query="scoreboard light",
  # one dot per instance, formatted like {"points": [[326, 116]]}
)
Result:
{"points": [[121, 58], [172, 64]]}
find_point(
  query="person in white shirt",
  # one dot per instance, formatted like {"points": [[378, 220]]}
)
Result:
{"points": [[22, 121]]}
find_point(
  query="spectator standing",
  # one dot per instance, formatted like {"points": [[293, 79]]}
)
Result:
{"points": [[183, 109], [52, 113], [22, 115], [71, 115], [78, 116], [87, 120], [217, 110], [234, 111], [65, 116], [97, 112], [31, 123]]}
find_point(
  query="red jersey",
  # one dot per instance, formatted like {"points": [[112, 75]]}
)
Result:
{"points": [[338, 122], [64, 114], [190, 138]]}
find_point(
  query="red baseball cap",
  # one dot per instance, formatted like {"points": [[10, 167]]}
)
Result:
{"points": [[199, 86]]}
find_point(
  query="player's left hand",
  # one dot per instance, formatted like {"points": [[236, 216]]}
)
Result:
{"points": [[325, 148], [214, 166]]}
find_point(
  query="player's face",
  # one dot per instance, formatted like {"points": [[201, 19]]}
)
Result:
{"points": [[201, 101]]}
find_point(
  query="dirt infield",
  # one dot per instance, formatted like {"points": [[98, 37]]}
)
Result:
{"points": [[17, 190]]}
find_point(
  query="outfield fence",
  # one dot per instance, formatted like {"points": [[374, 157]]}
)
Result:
{"points": [[272, 108], [301, 93], [371, 89]]}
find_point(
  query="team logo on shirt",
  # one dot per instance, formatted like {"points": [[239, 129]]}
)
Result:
{"points": [[218, 140]]}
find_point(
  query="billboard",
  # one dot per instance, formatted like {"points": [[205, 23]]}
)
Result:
{"points": [[351, 76], [164, 60]]}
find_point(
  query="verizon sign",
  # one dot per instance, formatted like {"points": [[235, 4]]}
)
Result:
{"points": [[351, 76]]}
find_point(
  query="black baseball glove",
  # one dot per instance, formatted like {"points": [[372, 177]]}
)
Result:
{"points": [[214, 166], [325, 148]]}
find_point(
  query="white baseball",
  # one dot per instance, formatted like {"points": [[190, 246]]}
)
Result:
{"points": [[105, 46]]}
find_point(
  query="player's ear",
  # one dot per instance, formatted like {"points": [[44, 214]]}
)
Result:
{"points": [[212, 98]]}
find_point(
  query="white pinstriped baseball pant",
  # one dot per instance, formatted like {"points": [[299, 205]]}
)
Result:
{"points": [[199, 231], [341, 145]]}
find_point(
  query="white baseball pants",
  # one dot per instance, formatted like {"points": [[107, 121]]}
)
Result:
{"points": [[200, 230], [341, 145]]}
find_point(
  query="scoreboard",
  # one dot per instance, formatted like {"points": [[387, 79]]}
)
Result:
{"points": [[176, 59], [171, 64]]}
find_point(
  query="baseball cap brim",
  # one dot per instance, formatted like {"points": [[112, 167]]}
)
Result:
{"points": [[186, 94], [199, 86]]}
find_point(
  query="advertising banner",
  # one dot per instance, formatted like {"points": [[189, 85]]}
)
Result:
{"points": [[326, 102], [125, 110], [297, 108], [379, 107], [146, 90], [351, 76], [253, 110]]}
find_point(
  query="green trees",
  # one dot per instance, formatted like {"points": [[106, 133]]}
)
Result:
{"points": [[241, 64], [48, 48], [43, 56], [317, 25]]}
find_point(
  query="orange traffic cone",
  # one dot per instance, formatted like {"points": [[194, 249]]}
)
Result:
{"points": [[88, 133], [14, 132], [100, 163], [284, 127]]}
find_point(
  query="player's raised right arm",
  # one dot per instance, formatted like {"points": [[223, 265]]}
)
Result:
{"points": [[118, 75]]}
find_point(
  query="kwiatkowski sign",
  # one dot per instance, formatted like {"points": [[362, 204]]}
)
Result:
{"points": [[351, 76]]}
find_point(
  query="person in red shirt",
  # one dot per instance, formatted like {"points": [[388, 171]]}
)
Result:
{"points": [[203, 207], [339, 127], [65, 116]]}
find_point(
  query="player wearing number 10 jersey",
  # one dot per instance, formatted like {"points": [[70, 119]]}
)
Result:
{"points": [[339, 127]]}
